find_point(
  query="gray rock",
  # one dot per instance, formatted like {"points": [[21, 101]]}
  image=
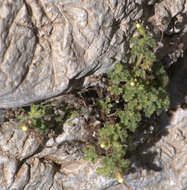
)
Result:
{"points": [[61, 167], [82, 174], [8, 167], [17, 143], [45, 46], [170, 15], [150, 2], [66, 152], [40, 175]]}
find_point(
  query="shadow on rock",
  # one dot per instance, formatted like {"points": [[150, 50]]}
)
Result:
{"points": [[178, 83], [145, 156]]}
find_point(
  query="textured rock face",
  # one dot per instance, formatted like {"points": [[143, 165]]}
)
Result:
{"points": [[160, 164], [26, 165], [170, 15], [45, 44]]}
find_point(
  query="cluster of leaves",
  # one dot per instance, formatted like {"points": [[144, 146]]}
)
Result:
{"points": [[135, 91], [34, 119], [41, 118]]}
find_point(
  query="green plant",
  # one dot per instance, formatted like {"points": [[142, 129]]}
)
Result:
{"points": [[72, 115], [41, 118], [34, 119], [135, 91]]}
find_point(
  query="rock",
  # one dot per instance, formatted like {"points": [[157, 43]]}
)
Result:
{"points": [[41, 175], [82, 174], [179, 116], [170, 16], [65, 152], [169, 162], [150, 2], [8, 167], [47, 46], [61, 167], [17, 143], [73, 131], [22, 178], [168, 21]]}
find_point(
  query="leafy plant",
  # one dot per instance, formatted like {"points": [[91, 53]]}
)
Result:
{"points": [[43, 117], [135, 91], [72, 115], [34, 119], [90, 154]]}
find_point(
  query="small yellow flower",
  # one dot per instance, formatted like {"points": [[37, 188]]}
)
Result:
{"points": [[119, 177], [24, 128], [138, 25], [139, 108], [103, 144], [132, 84]]}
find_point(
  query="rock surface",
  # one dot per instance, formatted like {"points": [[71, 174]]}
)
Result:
{"points": [[46, 47], [26, 165]]}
